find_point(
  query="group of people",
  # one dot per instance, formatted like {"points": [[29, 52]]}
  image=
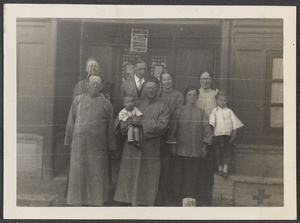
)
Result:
{"points": [[171, 143]]}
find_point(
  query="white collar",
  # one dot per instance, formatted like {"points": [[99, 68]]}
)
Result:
{"points": [[222, 108], [205, 90], [136, 79]]}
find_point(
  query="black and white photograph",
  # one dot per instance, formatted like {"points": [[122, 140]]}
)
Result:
{"points": [[149, 112]]}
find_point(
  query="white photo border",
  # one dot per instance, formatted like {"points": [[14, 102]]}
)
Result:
{"points": [[13, 11]]}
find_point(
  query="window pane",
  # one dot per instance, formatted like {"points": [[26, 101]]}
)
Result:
{"points": [[277, 93], [277, 71], [276, 117], [157, 71]]}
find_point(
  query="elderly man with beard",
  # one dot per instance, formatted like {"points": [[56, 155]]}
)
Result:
{"points": [[90, 135]]}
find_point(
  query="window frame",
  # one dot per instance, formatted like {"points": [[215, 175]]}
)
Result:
{"points": [[268, 92]]}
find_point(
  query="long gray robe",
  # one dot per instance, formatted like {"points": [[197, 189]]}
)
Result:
{"points": [[140, 169], [90, 134]]}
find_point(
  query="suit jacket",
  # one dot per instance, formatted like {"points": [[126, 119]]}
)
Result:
{"points": [[129, 87]]}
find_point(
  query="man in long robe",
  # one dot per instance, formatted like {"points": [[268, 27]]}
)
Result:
{"points": [[140, 168], [90, 134], [92, 67]]}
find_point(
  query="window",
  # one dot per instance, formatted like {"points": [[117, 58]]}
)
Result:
{"points": [[157, 63], [276, 92]]}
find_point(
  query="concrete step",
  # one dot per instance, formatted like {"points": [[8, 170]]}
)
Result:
{"points": [[35, 200], [36, 192], [241, 190]]}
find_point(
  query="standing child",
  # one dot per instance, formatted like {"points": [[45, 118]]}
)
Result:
{"points": [[225, 125], [125, 115]]}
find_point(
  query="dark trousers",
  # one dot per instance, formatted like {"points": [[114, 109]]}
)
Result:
{"points": [[223, 149], [207, 169], [165, 196], [187, 177]]}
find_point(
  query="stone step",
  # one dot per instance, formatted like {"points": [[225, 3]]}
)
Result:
{"points": [[35, 200], [241, 190]]}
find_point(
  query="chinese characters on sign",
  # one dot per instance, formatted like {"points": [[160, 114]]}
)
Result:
{"points": [[139, 39]]}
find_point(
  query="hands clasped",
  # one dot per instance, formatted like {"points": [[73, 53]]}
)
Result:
{"points": [[134, 121]]}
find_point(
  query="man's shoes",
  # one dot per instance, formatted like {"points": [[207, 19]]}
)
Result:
{"points": [[220, 173]]}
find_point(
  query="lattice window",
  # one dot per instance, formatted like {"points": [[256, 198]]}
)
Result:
{"points": [[127, 67], [158, 64]]}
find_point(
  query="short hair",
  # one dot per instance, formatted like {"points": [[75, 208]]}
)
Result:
{"points": [[92, 59], [139, 60], [206, 70], [151, 79], [191, 88], [96, 75], [165, 71], [221, 93]]}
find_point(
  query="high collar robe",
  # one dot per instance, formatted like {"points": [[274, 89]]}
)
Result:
{"points": [[90, 134], [189, 130], [173, 99], [140, 169], [206, 100]]}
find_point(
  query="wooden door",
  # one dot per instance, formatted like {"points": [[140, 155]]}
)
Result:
{"points": [[188, 64], [157, 60], [36, 45]]}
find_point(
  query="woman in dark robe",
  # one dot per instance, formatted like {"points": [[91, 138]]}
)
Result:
{"points": [[189, 135], [173, 99], [207, 102]]}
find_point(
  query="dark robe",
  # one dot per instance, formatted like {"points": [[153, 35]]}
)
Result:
{"points": [[173, 99], [189, 129], [140, 169], [90, 134]]}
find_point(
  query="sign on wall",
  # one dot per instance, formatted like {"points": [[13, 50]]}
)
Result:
{"points": [[139, 39]]}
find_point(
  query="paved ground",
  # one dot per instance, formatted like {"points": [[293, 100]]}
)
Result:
{"points": [[45, 193], [37, 192]]}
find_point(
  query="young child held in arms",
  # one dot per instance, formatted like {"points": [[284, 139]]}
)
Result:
{"points": [[225, 124], [125, 114]]}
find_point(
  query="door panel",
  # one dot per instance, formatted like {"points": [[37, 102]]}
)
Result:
{"points": [[185, 64], [157, 61], [188, 64]]}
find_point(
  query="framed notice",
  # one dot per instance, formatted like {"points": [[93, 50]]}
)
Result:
{"points": [[139, 39]]}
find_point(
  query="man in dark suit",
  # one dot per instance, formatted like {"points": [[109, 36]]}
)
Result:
{"points": [[134, 85]]}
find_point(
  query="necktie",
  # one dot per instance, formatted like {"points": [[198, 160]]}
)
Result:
{"points": [[139, 86]]}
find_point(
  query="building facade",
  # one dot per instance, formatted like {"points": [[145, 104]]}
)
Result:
{"points": [[245, 55]]}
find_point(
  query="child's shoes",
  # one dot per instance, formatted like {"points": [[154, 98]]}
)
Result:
{"points": [[225, 175], [220, 173], [137, 145], [131, 142]]}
